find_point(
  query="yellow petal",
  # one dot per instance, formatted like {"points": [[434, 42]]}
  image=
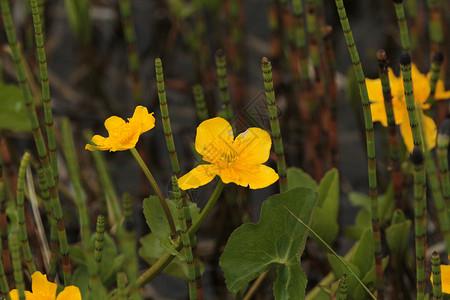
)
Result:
{"points": [[441, 93], [14, 294], [252, 146], [375, 90], [429, 128], [378, 111], [255, 176], [445, 279], [141, 117], [215, 131], [421, 86], [114, 124], [90, 147], [41, 287], [70, 293], [198, 176]]}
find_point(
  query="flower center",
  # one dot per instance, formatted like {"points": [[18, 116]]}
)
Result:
{"points": [[220, 153]]}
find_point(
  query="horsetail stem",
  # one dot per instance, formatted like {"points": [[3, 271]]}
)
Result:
{"points": [[371, 160], [200, 104], [3, 283], [235, 46], [45, 195], [274, 123], [419, 176], [121, 286], [436, 64], [435, 29], [442, 141], [16, 264], [132, 52], [166, 118], [221, 65], [187, 249], [94, 278], [127, 243], [343, 287], [45, 87], [74, 171], [113, 207], [22, 229], [394, 152], [403, 26], [435, 186], [436, 270], [38, 138]]}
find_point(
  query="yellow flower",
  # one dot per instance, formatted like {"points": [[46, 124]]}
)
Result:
{"points": [[123, 135], [45, 290], [421, 89], [445, 279], [237, 160]]}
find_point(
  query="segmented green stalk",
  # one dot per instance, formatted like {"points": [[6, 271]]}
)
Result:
{"points": [[199, 97], [74, 171], [442, 141], [435, 29], [235, 47], [45, 195], [130, 40], [39, 140], [371, 160], [394, 152], [187, 250], [121, 286], [419, 176], [343, 287], [165, 117], [94, 278], [127, 243], [23, 235], [436, 270], [113, 207], [3, 283], [221, 65], [274, 123], [16, 264], [436, 64], [45, 88], [403, 26], [6, 256]]}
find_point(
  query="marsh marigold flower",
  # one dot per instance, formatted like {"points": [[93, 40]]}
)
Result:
{"points": [[45, 290], [123, 135], [237, 160], [421, 88], [445, 279]]}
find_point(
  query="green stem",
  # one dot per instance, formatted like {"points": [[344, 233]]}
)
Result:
{"points": [[3, 283], [343, 287], [22, 229], [221, 65], [199, 97], [274, 123], [436, 64], [443, 138], [419, 176], [166, 118], [403, 26], [121, 284], [16, 264], [436, 273], [95, 283], [39, 140], [370, 141], [155, 187]]}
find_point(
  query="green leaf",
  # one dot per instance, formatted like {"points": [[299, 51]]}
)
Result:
{"points": [[157, 221], [81, 280], [298, 178], [13, 113], [151, 251], [398, 233], [339, 269], [386, 207], [369, 280], [363, 257], [278, 239], [290, 283], [324, 225], [359, 199], [362, 222], [329, 193]]}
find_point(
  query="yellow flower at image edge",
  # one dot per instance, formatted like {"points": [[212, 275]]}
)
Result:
{"points": [[237, 160], [445, 279], [123, 135], [45, 290]]}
